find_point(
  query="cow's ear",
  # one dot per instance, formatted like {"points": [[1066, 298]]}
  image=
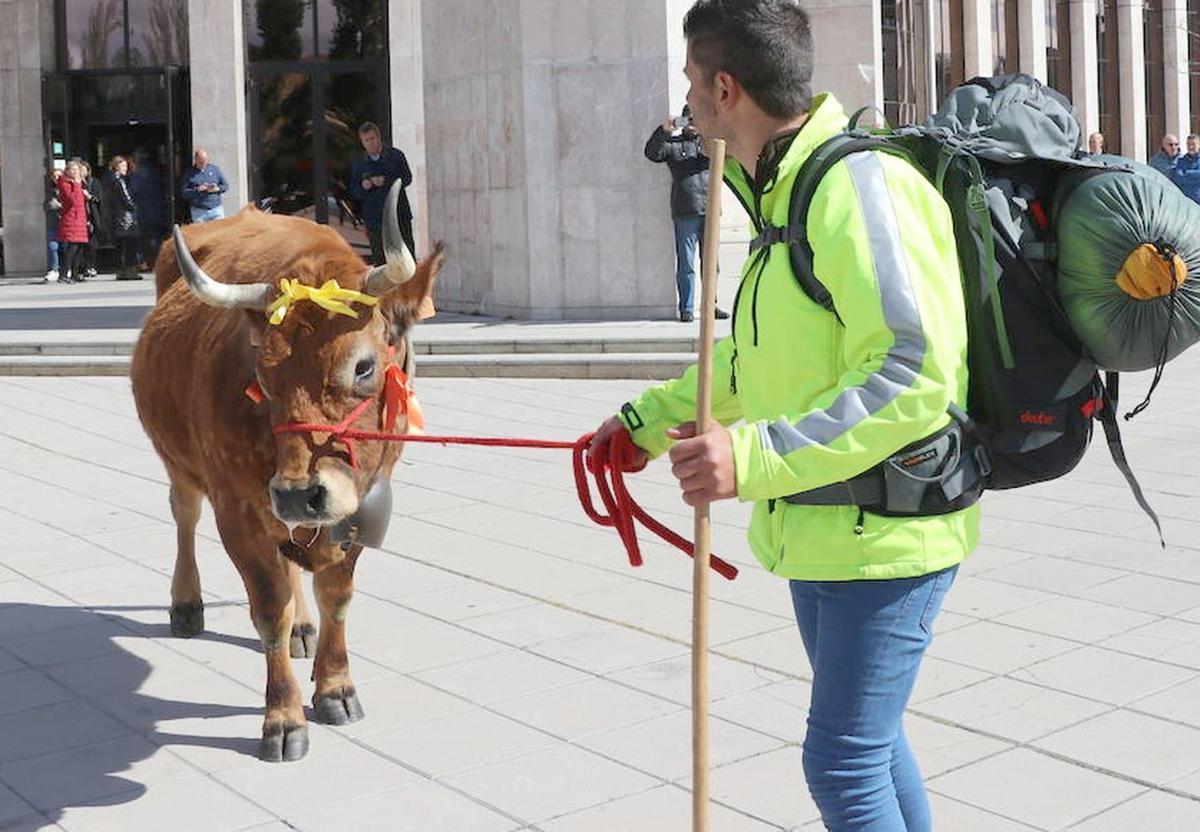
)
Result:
{"points": [[416, 295], [412, 301]]}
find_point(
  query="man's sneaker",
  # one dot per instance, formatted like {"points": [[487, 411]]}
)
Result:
{"points": [[686, 317], [721, 314], [90, 273], [51, 276]]}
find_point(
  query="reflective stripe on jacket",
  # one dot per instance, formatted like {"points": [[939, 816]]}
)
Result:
{"points": [[825, 400]]}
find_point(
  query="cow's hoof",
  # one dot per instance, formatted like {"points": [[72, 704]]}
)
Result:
{"points": [[283, 743], [187, 620], [303, 643], [338, 708]]}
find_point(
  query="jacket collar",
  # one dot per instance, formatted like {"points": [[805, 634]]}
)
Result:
{"points": [[785, 153]]}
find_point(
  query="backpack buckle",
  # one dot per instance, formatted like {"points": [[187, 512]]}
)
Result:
{"points": [[976, 199], [773, 234]]}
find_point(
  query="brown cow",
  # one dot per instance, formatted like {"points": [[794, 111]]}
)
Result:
{"points": [[206, 342]]}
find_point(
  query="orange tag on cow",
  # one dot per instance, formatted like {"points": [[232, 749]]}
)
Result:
{"points": [[394, 390], [254, 392], [416, 419], [398, 398], [425, 309]]}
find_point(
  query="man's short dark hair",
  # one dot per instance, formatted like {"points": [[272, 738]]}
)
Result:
{"points": [[765, 44], [369, 127]]}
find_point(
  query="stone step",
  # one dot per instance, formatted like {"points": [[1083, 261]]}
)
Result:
{"points": [[64, 365], [686, 342], [639, 365], [683, 344], [66, 348], [643, 365]]}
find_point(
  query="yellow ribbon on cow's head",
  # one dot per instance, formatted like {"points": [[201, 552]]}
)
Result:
{"points": [[331, 296]]}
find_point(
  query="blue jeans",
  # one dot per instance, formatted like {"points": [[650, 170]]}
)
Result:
{"points": [[206, 214], [52, 251], [689, 233], [865, 640]]}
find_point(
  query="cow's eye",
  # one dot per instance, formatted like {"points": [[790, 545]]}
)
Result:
{"points": [[364, 369]]}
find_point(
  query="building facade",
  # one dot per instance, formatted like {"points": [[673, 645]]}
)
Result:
{"points": [[1130, 67], [523, 120]]}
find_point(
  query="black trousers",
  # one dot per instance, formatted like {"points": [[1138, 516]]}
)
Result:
{"points": [[70, 261], [375, 237], [89, 252], [126, 253]]}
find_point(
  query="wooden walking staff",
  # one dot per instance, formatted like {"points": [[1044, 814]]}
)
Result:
{"points": [[708, 305]]}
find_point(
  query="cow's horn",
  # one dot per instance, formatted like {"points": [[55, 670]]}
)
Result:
{"points": [[215, 293], [399, 266]]}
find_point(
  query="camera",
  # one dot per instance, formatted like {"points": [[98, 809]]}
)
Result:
{"points": [[681, 122]]}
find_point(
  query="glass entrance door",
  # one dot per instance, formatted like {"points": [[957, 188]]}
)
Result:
{"points": [[143, 115], [304, 139], [281, 109]]}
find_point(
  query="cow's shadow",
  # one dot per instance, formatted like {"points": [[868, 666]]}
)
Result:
{"points": [[51, 766]]}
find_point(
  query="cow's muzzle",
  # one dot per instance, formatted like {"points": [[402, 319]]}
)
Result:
{"points": [[306, 504]]}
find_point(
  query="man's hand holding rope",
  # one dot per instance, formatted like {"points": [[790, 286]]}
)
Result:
{"points": [[702, 464]]}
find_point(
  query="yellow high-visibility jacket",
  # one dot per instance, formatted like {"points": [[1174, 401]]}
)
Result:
{"points": [[824, 400]]}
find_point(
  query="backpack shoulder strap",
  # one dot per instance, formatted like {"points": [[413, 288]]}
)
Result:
{"points": [[795, 234]]}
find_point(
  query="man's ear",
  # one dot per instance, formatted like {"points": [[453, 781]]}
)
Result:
{"points": [[413, 301], [726, 90]]}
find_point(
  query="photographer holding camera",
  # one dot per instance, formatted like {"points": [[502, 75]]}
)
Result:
{"points": [[370, 178], [678, 144]]}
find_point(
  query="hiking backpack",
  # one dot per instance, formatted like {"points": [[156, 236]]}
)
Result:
{"points": [[1003, 152]]}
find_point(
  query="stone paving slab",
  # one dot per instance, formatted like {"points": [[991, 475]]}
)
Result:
{"points": [[517, 674]]}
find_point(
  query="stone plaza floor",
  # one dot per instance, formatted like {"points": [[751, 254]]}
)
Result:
{"points": [[517, 674]]}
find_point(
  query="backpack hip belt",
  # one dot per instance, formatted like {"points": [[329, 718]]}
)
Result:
{"points": [[943, 473]]}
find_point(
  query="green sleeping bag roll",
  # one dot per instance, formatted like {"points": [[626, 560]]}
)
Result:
{"points": [[1128, 264]]}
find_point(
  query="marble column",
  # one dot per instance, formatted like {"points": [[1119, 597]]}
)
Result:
{"points": [[1132, 52], [536, 113], [26, 51], [1177, 85], [1031, 19], [979, 57], [406, 75], [1085, 71], [218, 80], [848, 47]]}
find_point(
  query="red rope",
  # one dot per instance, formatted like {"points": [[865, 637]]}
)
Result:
{"points": [[608, 473]]}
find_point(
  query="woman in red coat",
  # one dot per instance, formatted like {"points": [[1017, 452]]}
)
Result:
{"points": [[72, 227]]}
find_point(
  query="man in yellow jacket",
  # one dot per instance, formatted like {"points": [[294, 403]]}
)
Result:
{"points": [[823, 398]]}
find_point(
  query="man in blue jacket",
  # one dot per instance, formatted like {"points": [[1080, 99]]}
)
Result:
{"points": [[1187, 170], [1167, 157], [371, 178], [202, 188]]}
